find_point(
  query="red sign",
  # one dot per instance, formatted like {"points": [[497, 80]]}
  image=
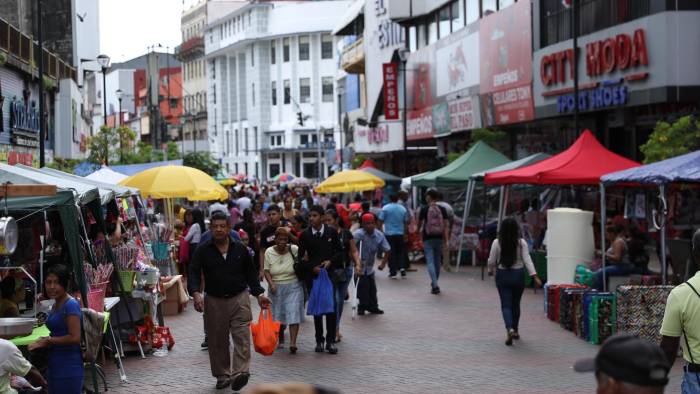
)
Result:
{"points": [[505, 51], [19, 158], [391, 91], [619, 53], [419, 124]]}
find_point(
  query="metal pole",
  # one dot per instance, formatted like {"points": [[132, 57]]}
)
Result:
{"points": [[603, 214], [664, 211], [318, 151], [467, 197], [42, 128], [404, 123], [104, 94], [194, 134], [121, 139], [574, 27]]}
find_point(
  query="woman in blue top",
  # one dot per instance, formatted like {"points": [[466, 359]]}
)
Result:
{"points": [[65, 372]]}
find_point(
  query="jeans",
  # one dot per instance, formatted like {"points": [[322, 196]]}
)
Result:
{"points": [[433, 259], [690, 383], [396, 256], [341, 291], [613, 270], [510, 284]]}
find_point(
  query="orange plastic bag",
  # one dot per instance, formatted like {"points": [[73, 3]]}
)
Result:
{"points": [[265, 333]]}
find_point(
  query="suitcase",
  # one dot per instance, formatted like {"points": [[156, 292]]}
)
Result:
{"points": [[578, 314], [602, 315], [585, 309], [566, 307], [553, 295], [640, 310]]}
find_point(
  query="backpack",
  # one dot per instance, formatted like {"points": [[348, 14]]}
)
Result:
{"points": [[434, 224]]}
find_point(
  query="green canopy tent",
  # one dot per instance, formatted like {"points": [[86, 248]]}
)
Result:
{"points": [[478, 158]]}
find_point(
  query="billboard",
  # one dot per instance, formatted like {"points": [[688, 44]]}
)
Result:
{"points": [[505, 51]]}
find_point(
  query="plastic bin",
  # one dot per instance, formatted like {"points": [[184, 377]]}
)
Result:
{"points": [[127, 280]]}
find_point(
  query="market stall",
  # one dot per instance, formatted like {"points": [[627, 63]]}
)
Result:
{"points": [[349, 181], [107, 175]]}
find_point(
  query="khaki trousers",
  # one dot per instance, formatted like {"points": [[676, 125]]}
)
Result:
{"points": [[224, 316]]}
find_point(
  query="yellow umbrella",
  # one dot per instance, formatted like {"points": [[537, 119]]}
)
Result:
{"points": [[176, 182], [227, 182], [350, 181]]}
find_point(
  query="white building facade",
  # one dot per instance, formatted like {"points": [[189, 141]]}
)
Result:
{"points": [[270, 65]]}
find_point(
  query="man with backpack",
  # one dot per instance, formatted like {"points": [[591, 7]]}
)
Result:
{"points": [[682, 318], [434, 225]]}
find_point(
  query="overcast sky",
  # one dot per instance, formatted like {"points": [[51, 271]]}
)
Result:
{"points": [[129, 27]]}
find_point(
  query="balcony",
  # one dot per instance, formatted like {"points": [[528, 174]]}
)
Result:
{"points": [[24, 54], [352, 60], [190, 49]]}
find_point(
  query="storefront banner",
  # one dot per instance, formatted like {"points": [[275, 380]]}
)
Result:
{"points": [[457, 62], [464, 114], [391, 91], [506, 65], [441, 119], [385, 137], [419, 124]]}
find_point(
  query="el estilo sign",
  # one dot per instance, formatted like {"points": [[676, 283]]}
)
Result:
{"points": [[604, 61]]}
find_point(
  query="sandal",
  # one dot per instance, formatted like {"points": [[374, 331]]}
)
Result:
{"points": [[293, 349]]}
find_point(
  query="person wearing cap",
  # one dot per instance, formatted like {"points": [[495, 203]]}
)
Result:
{"points": [[626, 364], [370, 241], [682, 318]]}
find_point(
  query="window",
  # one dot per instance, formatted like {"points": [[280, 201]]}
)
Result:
{"points": [[255, 138], [252, 55], [444, 22], [285, 50], [327, 89], [472, 11], [457, 17], [432, 29], [253, 95], [274, 92], [505, 3], [173, 103], [303, 47], [488, 6], [235, 141], [245, 140], [287, 92], [326, 46], [246, 168], [308, 139], [412, 38], [273, 53], [304, 90], [274, 170], [276, 140]]}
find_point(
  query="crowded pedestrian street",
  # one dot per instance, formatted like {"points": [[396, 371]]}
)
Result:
{"points": [[446, 344]]}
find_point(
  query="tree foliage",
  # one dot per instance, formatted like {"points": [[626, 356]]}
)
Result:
{"points": [[65, 165], [489, 136], [358, 160], [173, 151], [100, 145], [670, 140], [202, 161]]}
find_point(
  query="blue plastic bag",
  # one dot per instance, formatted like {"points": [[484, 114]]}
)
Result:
{"points": [[321, 297]]}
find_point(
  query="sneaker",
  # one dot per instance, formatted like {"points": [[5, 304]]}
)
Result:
{"points": [[222, 383], [403, 273], [509, 338], [435, 290], [376, 311], [319, 347], [360, 312], [392, 276], [240, 381], [205, 344]]}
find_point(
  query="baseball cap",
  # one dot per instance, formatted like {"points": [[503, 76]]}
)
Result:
{"points": [[368, 218], [629, 359]]}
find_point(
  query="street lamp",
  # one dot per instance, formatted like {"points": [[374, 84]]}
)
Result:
{"points": [[119, 93], [403, 56], [103, 61]]}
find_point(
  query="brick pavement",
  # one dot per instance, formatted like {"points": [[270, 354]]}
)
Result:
{"points": [[451, 343]]}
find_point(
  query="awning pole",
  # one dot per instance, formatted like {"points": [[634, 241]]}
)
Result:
{"points": [[467, 201], [662, 197], [603, 215]]}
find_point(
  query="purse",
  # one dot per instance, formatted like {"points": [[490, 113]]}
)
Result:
{"points": [[340, 275], [298, 269]]}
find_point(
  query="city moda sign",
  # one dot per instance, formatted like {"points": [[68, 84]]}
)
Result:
{"points": [[391, 91], [385, 137], [624, 53], [505, 51]]}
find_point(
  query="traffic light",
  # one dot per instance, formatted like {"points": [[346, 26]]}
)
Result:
{"points": [[300, 119]]}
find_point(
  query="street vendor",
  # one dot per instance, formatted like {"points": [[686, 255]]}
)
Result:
{"points": [[12, 362]]}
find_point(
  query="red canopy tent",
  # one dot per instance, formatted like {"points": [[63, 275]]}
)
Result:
{"points": [[368, 163], [582, 164]]}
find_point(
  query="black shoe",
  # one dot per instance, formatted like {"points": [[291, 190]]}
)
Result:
{"points": [[319, 347], [392, 276], [435, 290], [330, 347], [376, 311], [516, 336], [509, 338], [361, 312], [240, 381], [293, 349], [222, 383], [403, 273], [205, 344]]}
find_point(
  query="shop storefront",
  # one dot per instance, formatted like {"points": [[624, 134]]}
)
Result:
{"points": [[630, 77]]}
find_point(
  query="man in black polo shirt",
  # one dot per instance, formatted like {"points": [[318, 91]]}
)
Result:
{"points": [[319, 246], [228, 271]]}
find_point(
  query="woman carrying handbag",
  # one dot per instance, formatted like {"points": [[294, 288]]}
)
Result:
{"points": [[510, 256]]}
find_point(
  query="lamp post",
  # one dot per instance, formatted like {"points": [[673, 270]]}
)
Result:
{"points": [[103, 61], [119, 94], [403, 55], [42, 125]]}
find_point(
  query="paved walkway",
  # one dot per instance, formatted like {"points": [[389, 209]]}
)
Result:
{"points": [[451, 343]]}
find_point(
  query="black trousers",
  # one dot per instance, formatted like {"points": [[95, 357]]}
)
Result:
{"points": [[397, 258], [331, 322], [367, 292]]}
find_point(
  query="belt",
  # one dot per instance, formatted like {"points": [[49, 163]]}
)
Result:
{"points": [[690, 367], [222, 295]]}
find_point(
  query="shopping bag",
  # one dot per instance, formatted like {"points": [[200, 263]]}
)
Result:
{"points": [[352, 294], [265, 333], [321, 298]]}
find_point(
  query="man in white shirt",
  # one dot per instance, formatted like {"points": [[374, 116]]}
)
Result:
{"points": [[13, 363]]}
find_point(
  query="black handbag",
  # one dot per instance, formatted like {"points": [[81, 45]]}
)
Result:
{"points": [[298, 269]]}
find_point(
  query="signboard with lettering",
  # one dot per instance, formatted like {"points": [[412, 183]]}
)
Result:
{"points": [[391, 91], [505, 52], [385, 137], [24, 116]]}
